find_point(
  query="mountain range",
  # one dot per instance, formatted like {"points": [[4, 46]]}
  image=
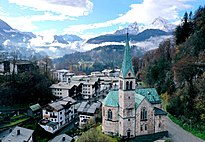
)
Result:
{"points": [[28, 44]]}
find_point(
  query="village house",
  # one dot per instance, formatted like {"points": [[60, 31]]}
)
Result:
{"points": [[88, 112], [19, 134], [18, 66], [129, 111], [63, 89], [58, 114], [34, 110]]}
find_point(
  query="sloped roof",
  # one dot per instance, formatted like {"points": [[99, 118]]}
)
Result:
{"points": [[151, 94], [138, 99], [158, 111], [56, 105], [24, 135], [111, 99], [85, 107], [59, 138], [127, 60], [35, 107]]}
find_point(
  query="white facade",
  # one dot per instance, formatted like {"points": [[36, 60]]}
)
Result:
{"points": [[57, 114], [62, 89], [88, 89]]}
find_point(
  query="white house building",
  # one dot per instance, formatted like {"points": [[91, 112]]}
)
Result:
{"points": [[57, 114], [87, 112], [63, 89], [88, 89]]}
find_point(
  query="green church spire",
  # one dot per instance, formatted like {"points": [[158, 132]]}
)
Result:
{"points": [[127, 60]]}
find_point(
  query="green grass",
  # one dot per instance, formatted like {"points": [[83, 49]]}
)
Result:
{"points": [[193, 130], [16, 122], [96, 135]]}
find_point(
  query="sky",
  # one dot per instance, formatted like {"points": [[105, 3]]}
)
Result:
{"points": [[89, 18]]}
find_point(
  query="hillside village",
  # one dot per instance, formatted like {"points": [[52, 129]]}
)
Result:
{"points": [[139, 100]]}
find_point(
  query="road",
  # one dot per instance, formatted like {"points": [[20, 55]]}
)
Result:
{"points": [[177, 134]]}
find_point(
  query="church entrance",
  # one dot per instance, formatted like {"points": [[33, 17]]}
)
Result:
{"points": [[128, 134]]}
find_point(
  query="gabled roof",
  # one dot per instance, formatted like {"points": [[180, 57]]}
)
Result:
{"points": [[24, 135], [111, 99], [127, 60], [56, 105], [158, 111], [151, 94], [138, 99], [60, 138], [35, 107], [85, 107]]}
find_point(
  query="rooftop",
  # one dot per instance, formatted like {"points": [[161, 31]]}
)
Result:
{"points": [[19, 134], [35, 107], [61, 138], [151, 94], [153, 97], [85, 107]]}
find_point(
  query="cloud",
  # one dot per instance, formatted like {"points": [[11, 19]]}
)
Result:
{"points": [[150, 9], [27, 23], [143, 13], [73, 8]]}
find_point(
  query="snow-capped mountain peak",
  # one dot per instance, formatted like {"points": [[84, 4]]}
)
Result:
{"points": [[133, 29], [161, 24]]}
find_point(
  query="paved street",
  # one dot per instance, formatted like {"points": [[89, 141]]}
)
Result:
{"points": [[177, 134]]}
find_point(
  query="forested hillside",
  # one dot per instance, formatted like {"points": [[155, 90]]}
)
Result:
{"points": [[177, 70]]}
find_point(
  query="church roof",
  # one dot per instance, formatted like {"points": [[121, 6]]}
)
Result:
{"points": [[111, 99], [138, 99], [158, 111], [151, 94], [127, 60]]}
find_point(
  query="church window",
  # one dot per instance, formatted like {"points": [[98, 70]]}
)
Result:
{"points": [[159, 125], [128, 97], [128, 120], [109, 115], [120, 84], [143, 115], [145, 127], [141, 128], [129, 74], [130, 84], [127, 85]]}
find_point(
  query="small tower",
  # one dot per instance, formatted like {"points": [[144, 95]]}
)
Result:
{"points": [[127, 96]]}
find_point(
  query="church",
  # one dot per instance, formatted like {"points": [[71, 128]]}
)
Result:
{"points": [[130, 111]]}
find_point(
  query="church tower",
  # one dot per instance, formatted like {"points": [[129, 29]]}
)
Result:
{"points": [[127, 95]]}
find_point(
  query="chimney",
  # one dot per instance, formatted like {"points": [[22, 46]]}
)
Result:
{"points": [[63, 139], [18, 132]]}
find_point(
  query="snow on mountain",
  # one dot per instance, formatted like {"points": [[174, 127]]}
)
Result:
{"points": [[158, 23], [162, 24], [131, 29]]}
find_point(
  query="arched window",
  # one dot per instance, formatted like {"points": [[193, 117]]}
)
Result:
{"points": [[131, 85], [143, 115], [127, 85], [121, 84], [109, 115]]}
